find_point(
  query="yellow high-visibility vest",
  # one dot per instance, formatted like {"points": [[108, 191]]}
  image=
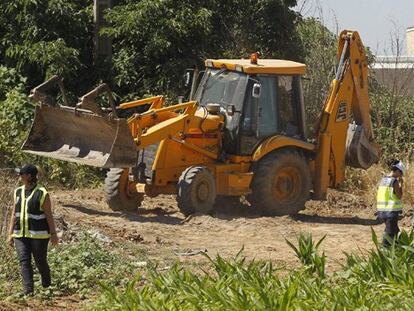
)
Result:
{"points": [[387, 200], [31, 221]]}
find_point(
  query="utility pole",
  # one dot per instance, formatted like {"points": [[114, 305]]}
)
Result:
{"points": [[103, 44]]}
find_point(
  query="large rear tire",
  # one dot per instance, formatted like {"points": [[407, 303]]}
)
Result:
{"points": [[117, 190], [196, 191], [281, 183]]}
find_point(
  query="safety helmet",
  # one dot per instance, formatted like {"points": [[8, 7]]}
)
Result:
{"points": [[398, 165]]}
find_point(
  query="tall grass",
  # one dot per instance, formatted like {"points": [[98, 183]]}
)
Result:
{"points": [[365, 183], [308, 254], [7, 185], [381, 280]]}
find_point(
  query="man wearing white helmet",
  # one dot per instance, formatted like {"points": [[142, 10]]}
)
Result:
{"points": [[389, 196]]}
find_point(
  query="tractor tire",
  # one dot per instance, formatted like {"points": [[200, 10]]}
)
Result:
{"points": [[117, 191], [281, 184], [196, 191]]}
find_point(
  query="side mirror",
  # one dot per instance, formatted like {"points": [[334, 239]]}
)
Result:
{"points": [[257, 89], [187, 78], [230, 110]]}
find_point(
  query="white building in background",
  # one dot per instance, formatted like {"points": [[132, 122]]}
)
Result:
{"points": [[397, 72], [410, 40]]}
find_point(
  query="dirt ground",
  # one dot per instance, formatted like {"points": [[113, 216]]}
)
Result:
{"points": [[165, 234]]}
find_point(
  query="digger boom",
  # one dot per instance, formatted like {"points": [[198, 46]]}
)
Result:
{"points": [[341, 144]]}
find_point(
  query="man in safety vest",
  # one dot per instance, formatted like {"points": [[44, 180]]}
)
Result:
{"points": [[389, 196], [31, 227]]}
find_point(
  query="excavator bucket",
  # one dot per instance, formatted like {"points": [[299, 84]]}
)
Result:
{"points": [[81, 136], [360, 153]]}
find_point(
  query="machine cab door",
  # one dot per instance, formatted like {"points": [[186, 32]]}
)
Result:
{"points": [[276, 109]]}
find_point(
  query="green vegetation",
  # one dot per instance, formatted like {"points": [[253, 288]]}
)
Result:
{"points": [[153, 43], [381, 280], [392, 114], [319, 44], [77, 268]]}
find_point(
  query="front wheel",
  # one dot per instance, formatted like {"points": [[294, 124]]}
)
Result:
{"points": [[118, 191], [281, 183], [196, 190]]}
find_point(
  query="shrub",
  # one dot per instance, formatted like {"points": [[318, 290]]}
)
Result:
{"points": [[80, 267], [76, 268]]}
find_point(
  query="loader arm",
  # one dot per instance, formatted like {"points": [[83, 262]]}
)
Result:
{"points": [[85, 134], [339, 142]]}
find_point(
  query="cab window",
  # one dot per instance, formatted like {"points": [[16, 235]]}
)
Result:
{"points": [[274, 112]]}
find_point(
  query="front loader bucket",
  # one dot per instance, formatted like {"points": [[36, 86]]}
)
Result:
{"points": [[80, 136], [360, 153]]}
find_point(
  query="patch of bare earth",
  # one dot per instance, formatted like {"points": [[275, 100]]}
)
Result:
{"points": [[165, 234]]}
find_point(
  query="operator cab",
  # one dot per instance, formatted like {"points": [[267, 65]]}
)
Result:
{"points": [[259, 99]]}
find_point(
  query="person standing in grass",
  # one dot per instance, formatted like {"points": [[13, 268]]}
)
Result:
{"points": [[31, 227], [389, 194]]}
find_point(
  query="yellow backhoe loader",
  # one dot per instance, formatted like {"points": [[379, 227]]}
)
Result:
{"points": [[242, 133]]}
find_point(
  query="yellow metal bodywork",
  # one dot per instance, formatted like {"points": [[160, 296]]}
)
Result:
{"points": [[277, 142], [179, 151], [263, 66], [188, 136]]}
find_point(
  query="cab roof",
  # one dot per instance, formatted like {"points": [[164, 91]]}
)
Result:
{"points": [[263, 66]]}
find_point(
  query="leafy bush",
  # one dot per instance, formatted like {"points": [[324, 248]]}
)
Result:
{"points": [[320, 45], [155, 41], [44, 37], [10, 79], [392, 117], [7, 185], [81, 267], [76, 268]]}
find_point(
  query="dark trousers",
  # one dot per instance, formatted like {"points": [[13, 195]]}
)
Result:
{"points": [[391, 230], [38, 248]]}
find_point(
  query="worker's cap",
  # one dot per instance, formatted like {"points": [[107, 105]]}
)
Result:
{"points": [[399, 166], [27, 169]]}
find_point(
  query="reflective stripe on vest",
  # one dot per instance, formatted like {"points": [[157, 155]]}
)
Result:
{"points": [[387, 200], [31, 221]]}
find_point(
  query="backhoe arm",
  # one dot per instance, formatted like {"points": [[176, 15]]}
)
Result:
{"points": [[339, 142]]}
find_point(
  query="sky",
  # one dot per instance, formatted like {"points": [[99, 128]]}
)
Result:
{"points": [[379, 22]]}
